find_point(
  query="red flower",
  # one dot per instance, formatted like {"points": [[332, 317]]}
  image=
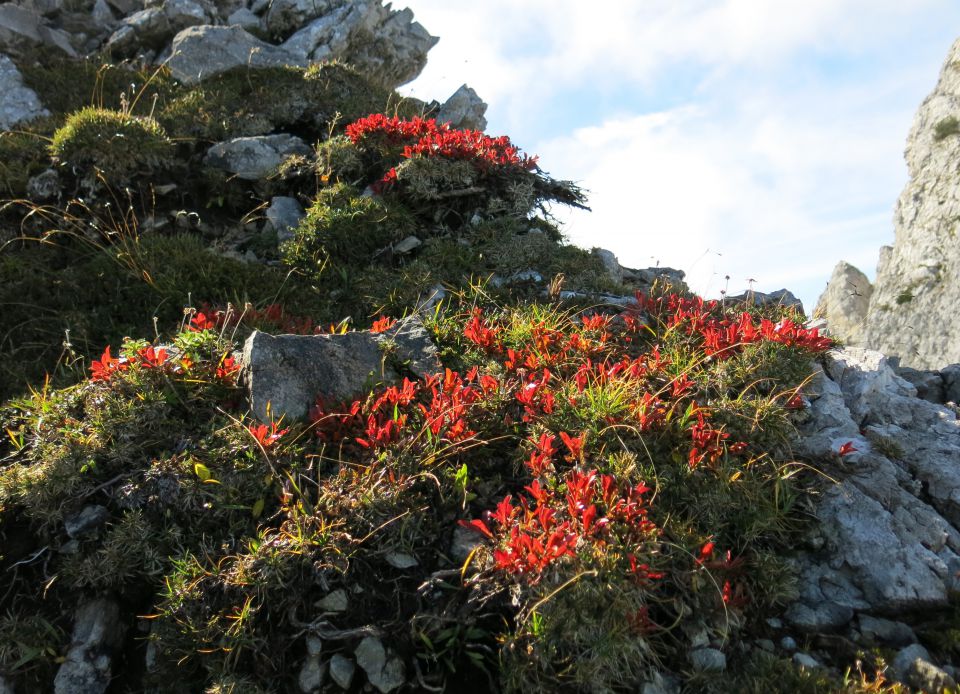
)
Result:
{"points": [[105, 367], [151, 358], [383, 324], [847, 449], [266, 436], [201, 322]]}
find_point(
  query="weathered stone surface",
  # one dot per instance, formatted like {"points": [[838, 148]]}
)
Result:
{"points": [[334, 602], [385, 44], [385, 671], [97, 632], [203, 51], [886, 631], [152, 28], [44, 186], [889, 542], [18, 104], [708, 660], [844, 304], [929, 384], [254, 158], [342, 670], [290, 371], [286, 16], [283, 216], [87, 521], [913, 667], [912, 312], [20, 28], [464, 109], [951, 383]]}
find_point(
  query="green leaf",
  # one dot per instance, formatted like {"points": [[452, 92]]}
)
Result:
{"points": [[257, 509], [202, 471]]}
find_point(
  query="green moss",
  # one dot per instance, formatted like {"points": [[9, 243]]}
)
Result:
{"points": [[101, 294], [945, 128], [114, 142], [66, 84], [23, 154], [343, 230], [255, 101], [904, 297]]}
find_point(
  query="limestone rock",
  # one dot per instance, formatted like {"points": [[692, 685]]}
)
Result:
{"points": [[385, 44], [254, 158], [464, 109], [290, 371], [912, 312], [203, 51], [18, 103], [888, 526], [153, 27], [286, 16], [21, 28], [708, 660], [283, 216], [844, 304], [97, 632], [342, 670], [384, 670]]}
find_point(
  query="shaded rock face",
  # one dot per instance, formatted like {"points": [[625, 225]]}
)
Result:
{"points": [[912, 310], [97, 632], [286, 373], [887, 539]]}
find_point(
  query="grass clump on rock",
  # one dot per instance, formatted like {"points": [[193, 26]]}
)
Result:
{"points": [[116, 143]]}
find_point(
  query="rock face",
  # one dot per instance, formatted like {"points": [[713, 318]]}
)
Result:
{"points": [[464, 109], [887, 539], [288, 372], [912, 310], [203, 51]]}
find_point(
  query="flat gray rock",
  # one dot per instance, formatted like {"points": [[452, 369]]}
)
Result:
{"points": [[289, 372]]}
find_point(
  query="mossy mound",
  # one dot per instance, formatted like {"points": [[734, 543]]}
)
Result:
{"points": [[115, 144]]}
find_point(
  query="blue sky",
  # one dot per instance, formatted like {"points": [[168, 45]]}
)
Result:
{"points": [[760, 139]]}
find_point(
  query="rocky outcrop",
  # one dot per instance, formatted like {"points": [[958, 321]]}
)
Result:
{"points": [[200, 38], [254, 158], [887, 540], [912, 309]]}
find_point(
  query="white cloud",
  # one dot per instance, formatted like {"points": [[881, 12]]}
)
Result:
{"points": [[744, 137]]}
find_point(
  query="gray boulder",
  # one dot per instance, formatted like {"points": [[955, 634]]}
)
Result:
{"points": [[912, 666], [384, 670], [254, 158], [464, 109], [20, 28], [18, 104], [844, 304], [288, 372], [97, 633], [202, 51]]}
